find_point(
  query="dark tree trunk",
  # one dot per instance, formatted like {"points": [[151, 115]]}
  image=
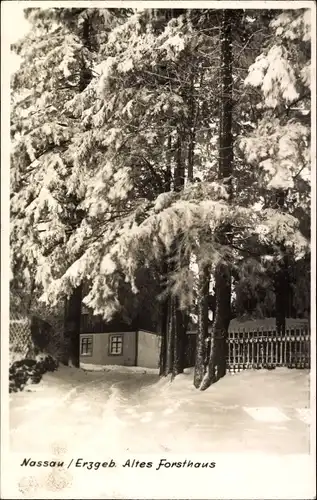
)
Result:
{"points": [[179, 343], [165, 306], [168, 171], [217, 349], [192, 131], [179, 174], [73, 305], [281, 278], [226, 105], [282, 294], [174, 345], [202, 333], [164, 320], [204, 277], [72, 325], [172, 356], [218, 345], [85, 76], [163, 348], [31, 297], [178, 316], [170, 337]]}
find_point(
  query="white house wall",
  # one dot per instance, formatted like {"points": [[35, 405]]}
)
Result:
{"points": [[100, 352], [148, 349]]}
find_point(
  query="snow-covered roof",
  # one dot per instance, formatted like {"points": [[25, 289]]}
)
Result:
{"points": [[263, 323], [237, 323]]}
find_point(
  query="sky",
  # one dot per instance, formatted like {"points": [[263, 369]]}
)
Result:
{"points": [[13, 27]]}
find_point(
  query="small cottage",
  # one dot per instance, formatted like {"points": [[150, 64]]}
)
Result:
{"points": [[117, 343]]}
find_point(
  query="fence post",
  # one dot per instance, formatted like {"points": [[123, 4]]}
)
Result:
{"points": [[233, 352]]}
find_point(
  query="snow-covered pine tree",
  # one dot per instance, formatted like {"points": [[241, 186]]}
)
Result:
{"points": [[279, 146], [57, 59], [237, 38], [133, 108], [222, 274], [179, 38]]}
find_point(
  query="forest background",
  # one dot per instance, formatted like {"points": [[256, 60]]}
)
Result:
{"points": [[160, 170]]}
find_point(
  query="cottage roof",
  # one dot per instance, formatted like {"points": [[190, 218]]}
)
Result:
{"points": [[249, 324]]}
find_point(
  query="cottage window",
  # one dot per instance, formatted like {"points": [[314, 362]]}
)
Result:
{"points": [[116, 345], [86, 346]]}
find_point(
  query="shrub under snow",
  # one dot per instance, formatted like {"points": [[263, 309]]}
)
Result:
{"points": [[30, 371]]}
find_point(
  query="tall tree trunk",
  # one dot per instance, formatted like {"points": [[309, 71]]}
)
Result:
{"points": [[72, 323], [204, 274], [281, 278], [164, 320], [217, 350], [73, 305], [282, 294], [170, 337], [174, 345], [163, 333], [218, 339], [172, 355], [192, 131], [226, 105], [179, 173], [202, 333], [179, 343], [31, 297], [175, 334], [178, 316], [165, 306]]}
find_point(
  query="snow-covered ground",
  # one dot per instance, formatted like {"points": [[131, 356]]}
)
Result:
{"points": [[254, 425]]}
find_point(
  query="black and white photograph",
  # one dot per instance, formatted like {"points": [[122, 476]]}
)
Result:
{"points": [[158, 287]]}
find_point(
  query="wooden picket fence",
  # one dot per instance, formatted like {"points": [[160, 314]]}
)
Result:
{"points": [[264, 348]]}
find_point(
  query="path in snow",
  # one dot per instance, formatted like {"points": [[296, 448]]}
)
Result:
{"points": [[137, 413], [248, 423]]}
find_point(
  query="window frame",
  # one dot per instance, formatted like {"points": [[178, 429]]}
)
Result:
{"points": [[88, 343], [112, 341]]}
